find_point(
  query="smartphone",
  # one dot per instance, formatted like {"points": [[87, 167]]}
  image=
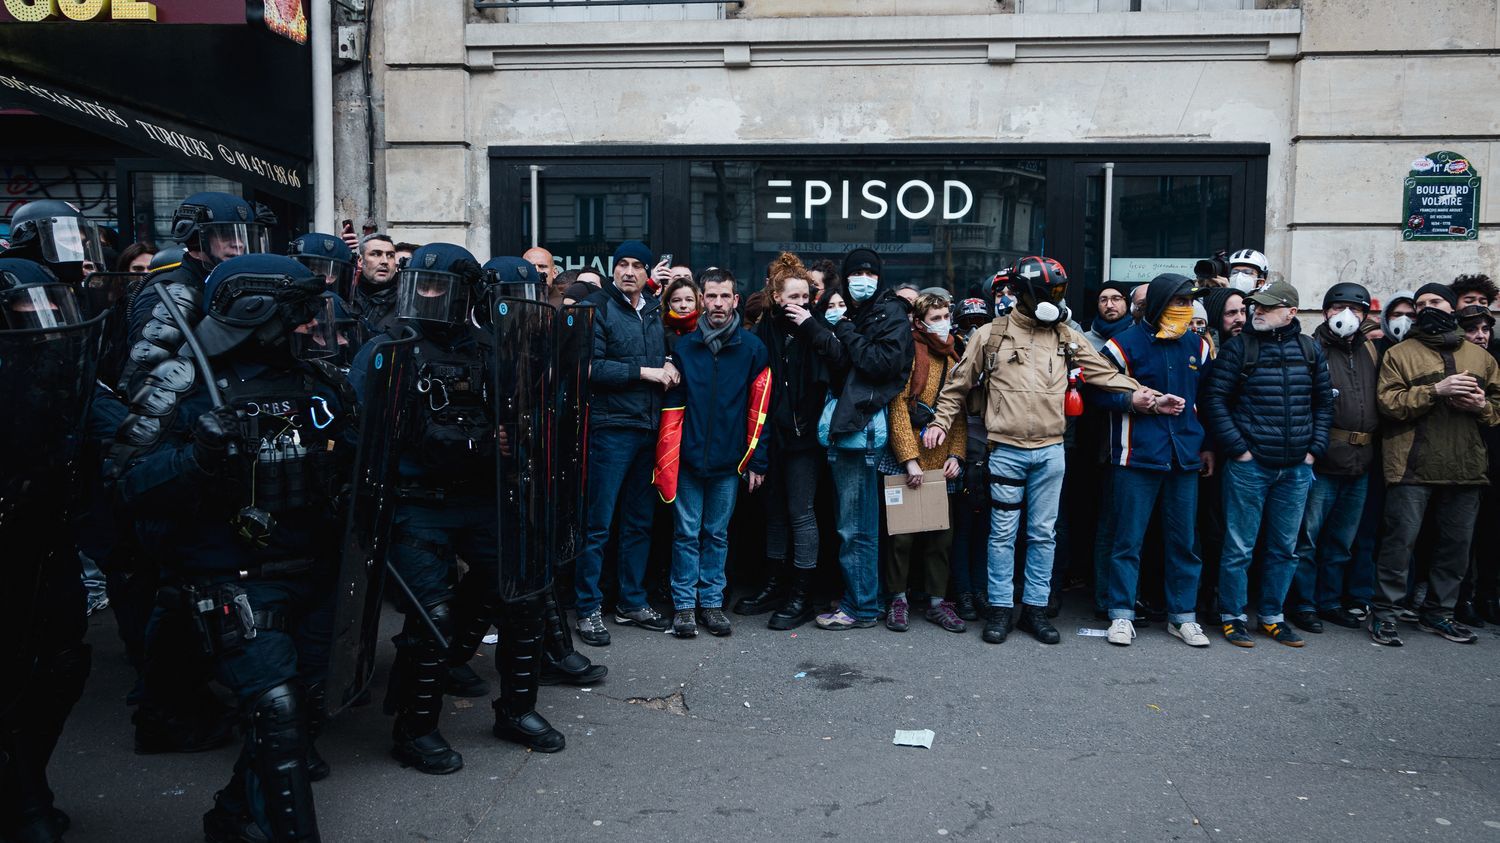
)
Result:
{"points": [[666, 258], [348, 227]]}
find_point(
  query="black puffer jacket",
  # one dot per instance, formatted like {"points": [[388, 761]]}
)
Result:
{"points": [[1281, 410], [875, 355], [625, 341]]}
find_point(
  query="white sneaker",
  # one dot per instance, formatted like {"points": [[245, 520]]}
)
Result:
{"points": [[1190, 633], [1120, 632]]}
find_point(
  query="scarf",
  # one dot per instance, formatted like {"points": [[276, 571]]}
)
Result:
{"points": [[928, 344], [681, 324], [1107, 329], [715, 338]]}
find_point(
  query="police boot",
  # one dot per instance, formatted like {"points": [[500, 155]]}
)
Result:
{"points": [[473, 618], [418, 743], [278, 742], [561, 664], [798, 608], [317, 766], [33, 728], [229, 820], [770, 596], [520, 656]]}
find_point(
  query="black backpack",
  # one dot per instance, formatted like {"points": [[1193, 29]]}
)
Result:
{"points": [[1252, 356]]}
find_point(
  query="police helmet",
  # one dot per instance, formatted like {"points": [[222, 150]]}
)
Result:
{"points": [[328, 257], [55, 233], [247, 293], [514, 278], [32, 297], [1347, 292], [166, 258], [436, 284], [221, 226]]}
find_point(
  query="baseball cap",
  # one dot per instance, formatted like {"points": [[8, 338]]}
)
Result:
{"points": [[1276, 294]]}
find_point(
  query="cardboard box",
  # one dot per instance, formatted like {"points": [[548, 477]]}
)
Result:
{"points": [[919, 510]]}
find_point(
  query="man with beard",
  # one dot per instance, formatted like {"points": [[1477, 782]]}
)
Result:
{"points": [[374, 298], [1113, 315]]}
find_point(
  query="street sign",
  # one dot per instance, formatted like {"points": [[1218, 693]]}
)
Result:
{"points": [[1441, 198]]}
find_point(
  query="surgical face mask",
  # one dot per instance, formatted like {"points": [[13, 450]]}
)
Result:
{"points": [[862, 287], [1399, 327], [1243, 281], [1344, 323], [834, 314], [939, 329], [1005, 304]]}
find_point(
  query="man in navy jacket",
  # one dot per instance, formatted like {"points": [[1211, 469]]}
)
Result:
{"points": [[1269, 404], [720, 363], [1157, 456]]}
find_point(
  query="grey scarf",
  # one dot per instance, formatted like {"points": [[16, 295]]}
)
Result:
{"points": [[715, 338]]}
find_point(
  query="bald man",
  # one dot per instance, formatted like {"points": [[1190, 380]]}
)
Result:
{"points": [[542, 260]]}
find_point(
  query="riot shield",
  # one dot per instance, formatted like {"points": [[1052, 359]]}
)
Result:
{"points": [[46, 384], [362, 563], [575, 349], [523, 333]]}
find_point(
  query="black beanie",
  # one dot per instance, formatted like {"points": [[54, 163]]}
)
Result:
{"points": [[861, 259], [1438, 290]]}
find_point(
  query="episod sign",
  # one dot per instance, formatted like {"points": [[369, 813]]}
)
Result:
{"points": [[1441, 198], [873, 200]]}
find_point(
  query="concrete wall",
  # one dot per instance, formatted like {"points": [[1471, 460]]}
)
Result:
{"points": [[1346, 93]]}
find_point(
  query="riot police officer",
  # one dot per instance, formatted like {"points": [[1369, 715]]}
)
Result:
{"points": [[329, 258], [47, 357], [230, 474], [56, 234], [446, 499]]}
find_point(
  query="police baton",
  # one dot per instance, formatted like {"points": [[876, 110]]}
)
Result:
{"points": [[215, 397], [421, 610]]}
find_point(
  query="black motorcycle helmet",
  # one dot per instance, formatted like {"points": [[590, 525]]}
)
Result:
{"points": [[31, 297], [220, 226], [55, 233], [437, 284], [1347, 292], [327, 256]]}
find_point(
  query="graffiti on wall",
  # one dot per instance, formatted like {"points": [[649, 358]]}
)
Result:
{"points": [[89, 186]]}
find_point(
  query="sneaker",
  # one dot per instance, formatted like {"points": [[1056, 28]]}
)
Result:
{"points": [[1236, 634], [841, 620], [1190, 633], [1449, 629], [714, 618], [644, 617], [966, 607], [684, 624], [897, 619], [1121, 631], [1340, 617], [1384, 633], [1282, 634], [592, 630], [945, 616]]}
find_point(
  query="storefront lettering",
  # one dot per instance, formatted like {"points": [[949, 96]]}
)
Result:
{"points": [[915, 199], [92, 109], [36, 11]]}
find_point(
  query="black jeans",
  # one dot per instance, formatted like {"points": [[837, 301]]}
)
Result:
{"points": [[790, 523], [1454, 509]]}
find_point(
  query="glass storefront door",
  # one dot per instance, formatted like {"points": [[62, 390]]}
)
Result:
{"points": [[585, 210]]}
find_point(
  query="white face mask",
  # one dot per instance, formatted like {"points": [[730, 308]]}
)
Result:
{"points": [[939, 329], [1243, 281], [862, 287], [1344, 323], [1400, 326], [834, 314], [1049, 313]]}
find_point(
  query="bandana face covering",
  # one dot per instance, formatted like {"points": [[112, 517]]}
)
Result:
{"points": [[1174, 322]]}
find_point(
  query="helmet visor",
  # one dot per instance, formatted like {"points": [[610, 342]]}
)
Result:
{"points": [[431, 296], [318, 337], [40, 306], [101, 291], [71, 240], [337, 275], [221, 241]]}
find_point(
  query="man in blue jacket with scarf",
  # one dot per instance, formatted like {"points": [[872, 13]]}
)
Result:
{"points": [[1157, 456], [724, 378]]}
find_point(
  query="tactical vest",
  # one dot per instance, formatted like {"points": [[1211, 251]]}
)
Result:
{"points": [[453, 439]]}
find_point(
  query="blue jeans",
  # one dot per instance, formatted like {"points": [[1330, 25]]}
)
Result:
{"points": [[1029, 477], [1326, 543], [619, 474], [701, 546], [1359, 578], [1104, 540], [858, 488], [1252, 492], [1136, 493]]}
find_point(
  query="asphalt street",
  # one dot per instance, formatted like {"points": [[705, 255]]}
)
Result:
{"points": [[775, 735]]}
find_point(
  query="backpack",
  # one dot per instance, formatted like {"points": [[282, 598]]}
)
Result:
{"points": [[1252, 356]]}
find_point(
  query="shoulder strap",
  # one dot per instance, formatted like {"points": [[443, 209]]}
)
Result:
{"points": [[1251, 359], [1309, 353]]}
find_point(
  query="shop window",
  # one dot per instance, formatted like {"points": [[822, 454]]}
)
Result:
{"points": [[156, 195], [1162, 223]]}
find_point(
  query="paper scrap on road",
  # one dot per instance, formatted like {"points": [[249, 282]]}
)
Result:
{"points": [[914, 737], [1086, 632], [801, 675]]}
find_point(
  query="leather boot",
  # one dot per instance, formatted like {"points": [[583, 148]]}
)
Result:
{"points": [[520, 656], [1034, 620], [997, 623], [417, 741], [798, 608], [770, 596], [561, 663]]}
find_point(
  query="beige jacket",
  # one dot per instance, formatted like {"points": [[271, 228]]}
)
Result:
{"points": [[1025, 381]]}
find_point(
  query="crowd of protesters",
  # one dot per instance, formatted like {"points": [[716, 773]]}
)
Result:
{"points": [[1194, 455]]}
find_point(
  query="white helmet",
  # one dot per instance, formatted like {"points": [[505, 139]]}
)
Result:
{"points": [[1252, 258]]}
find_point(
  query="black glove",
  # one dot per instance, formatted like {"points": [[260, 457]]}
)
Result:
{"points": [[213, 434]]}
